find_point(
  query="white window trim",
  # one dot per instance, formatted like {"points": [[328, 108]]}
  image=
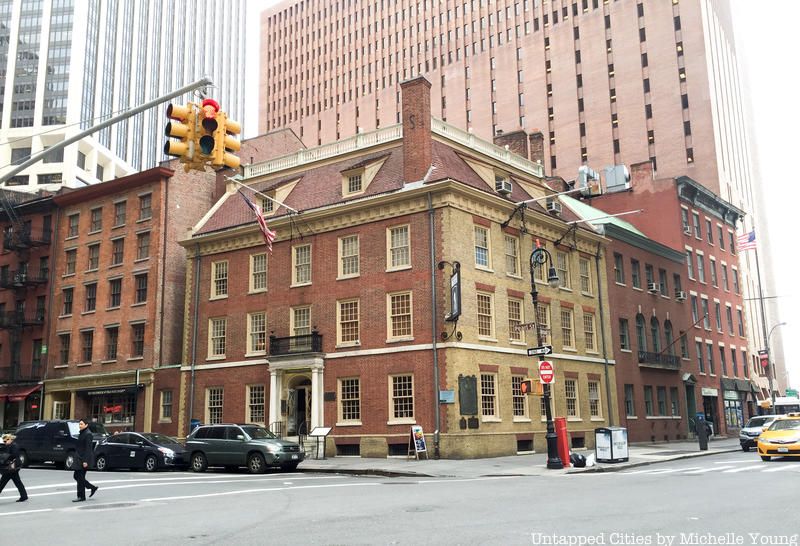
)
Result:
{"points": [[493, 335], [521, 340], [346, 182], [250, 350], [389, 337], [526, 417], [250, 287], [207, 409], [340, 421], [402, 420], [161, 418], [340, 258], [339, 342], [294, 266], [209, 354], [214, 265], [496, 418], [248, 400], [389, 266], [517, 248], [577, 416], [488, 267]]}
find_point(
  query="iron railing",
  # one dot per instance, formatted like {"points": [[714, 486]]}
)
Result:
{"points": [[310, 343], [660, 360]]}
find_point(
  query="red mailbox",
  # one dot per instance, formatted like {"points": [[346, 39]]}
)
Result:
{"points": [[563, 440]]}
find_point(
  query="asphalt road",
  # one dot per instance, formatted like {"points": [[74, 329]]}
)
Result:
{"points": [[731, 498]]}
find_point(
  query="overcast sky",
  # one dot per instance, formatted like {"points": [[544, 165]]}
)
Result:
{"points": [[765, 39]]}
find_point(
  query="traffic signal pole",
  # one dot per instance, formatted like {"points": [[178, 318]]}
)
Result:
{"points": [[202, 82]]}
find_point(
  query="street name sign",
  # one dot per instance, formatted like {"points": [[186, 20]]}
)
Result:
{"points": [[546, 372], [543, 350]]}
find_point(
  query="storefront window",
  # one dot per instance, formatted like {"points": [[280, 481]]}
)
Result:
{"points": [[733, 411], [116, 409]]}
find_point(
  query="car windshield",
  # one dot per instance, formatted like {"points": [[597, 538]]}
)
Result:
{"points": [[159, 438], [758, 422], [258, 433], [786, 424], [74, 429], [97, 428]]}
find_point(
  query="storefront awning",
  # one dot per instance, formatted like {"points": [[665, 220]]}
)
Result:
{"points": [[17, 393], [115, 389]]}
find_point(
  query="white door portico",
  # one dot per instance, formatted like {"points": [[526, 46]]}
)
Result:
{"points": [[280, 368]]}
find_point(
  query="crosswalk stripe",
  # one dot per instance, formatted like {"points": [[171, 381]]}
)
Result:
{"points": [[780, 468], [743, 468], [703, 470]]}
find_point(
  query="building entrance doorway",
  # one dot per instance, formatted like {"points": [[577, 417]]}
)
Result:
{"points": [[298, 405]]}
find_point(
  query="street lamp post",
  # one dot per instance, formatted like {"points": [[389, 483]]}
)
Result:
{"points": [[539, 257], [771, 363]]}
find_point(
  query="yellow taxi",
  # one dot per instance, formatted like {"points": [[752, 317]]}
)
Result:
{"points": [[781, 439]]}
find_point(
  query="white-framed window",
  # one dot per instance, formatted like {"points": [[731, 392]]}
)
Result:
{"points": [[301, 321], [519, 401], [398, 248], [165, 413], [589, 332], [256, 398], [512, 255], [301, 265], [648, 400], [216, 336], [347, 324], [571, 397], [256, 332], [353, 182], [400, 317], [630, 406], [489, 396], [219, 279], [401, 398], [515, 318], [485, 315], [258, 272], [543, 318], [567, 329], [586, 276], [675, 402], [349, 400], [348, 257], [482, 249], [60, 410], [214, 399], [594, 399], [562, 267]]}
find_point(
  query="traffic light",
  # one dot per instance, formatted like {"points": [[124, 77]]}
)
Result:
{"points": [[226, 142], [209, 123], [526, 386], [181, 127]]}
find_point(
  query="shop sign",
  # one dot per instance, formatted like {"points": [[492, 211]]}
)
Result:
{"points": [[730, 395], [128, 389], [708, 391]]}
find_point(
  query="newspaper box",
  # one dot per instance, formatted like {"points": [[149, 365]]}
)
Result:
{"points": [[611, 444]]}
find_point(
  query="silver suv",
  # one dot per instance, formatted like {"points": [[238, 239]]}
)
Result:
{"points": [[232, 446], [748, 435]]}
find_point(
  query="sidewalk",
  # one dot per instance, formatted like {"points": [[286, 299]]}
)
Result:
{"points": [[515, 465]]}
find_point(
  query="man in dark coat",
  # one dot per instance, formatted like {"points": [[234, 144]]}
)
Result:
{"points": [[84, 458], [10, 468]]}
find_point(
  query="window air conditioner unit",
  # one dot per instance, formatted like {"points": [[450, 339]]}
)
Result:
{"points": [[680, 295], [687, 230], [553, 207], [502, 186], [652, 287]]}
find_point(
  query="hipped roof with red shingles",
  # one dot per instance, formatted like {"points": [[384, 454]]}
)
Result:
{"points": [[321, 186]]}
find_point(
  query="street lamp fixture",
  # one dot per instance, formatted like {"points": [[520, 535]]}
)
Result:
{"points": [[539, 257], [771, 364]]}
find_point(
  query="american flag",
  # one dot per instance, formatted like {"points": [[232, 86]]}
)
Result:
{"points": [[746, 241], [269, 235]]}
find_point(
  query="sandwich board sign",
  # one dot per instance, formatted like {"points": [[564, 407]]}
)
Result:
{"points": [[416, 442]]}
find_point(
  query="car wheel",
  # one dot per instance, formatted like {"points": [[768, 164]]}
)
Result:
{"points": [[765, 458], [151, 463], [291, 467], [256, 464], [199, 462], [101, 463], [70, 460], [23, 459]]}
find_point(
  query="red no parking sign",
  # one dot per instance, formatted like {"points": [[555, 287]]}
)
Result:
{"points": [[546, 372]]}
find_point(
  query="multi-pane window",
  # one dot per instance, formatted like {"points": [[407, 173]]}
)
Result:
{"points": [[698, 345], [63, 350], [690, 263], [674, 401], [655, 334], [718, 315], [701, 268], [72, 225], [648, 400], [695, 311], [624, 335], [514, 319], [594, 399], [94, 257], [489, 395], [258, 272], [543, 320], [96, 219], [348, 324], [399, 255], [619, 271], [698, 230], [562, 265], [725, 284], [255, 404], [350, 399], [87, 345], [302, 264], [519, 404], [117, 251], [214, 397], [143, 245], [70, 261], [216, 336], [301, 321], [112, 340], [140, 295], [481, 246], [119, 214], [571, 397], [586, 277], [137, 339], [114, 292], [661, 393], [589, 332], [66, 299], [740, 322], [166, 406], [636, 274], [662, 282], [400, 315], [512, 255], [630, 407], [485, 316], [567, 330], [348, 256], [712, 266], [735, 280], [706, 317], [734, 363], [402, 401], [145, 207], [641, 336], [354, 183], [219, 275], [723, 363], [710, 358], [91, 297], [257, 332]]}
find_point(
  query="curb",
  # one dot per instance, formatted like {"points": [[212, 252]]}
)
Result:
{"points": [[646, 463]]}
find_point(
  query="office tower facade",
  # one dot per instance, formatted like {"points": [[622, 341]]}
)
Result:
{"points": [[605, 81], [67, 65]]}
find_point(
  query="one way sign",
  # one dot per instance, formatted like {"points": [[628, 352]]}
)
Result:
{"points": [[538, 351]]}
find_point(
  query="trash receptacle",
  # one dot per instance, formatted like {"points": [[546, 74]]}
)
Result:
{"points": [[611, 444], [193, 424]]}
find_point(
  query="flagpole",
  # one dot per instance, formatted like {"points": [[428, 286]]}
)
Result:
{"points": [[764, 328], [279, 203]]}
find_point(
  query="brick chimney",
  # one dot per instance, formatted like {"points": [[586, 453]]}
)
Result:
{"points": [[517, 142], [416, 97], [536, 148]]}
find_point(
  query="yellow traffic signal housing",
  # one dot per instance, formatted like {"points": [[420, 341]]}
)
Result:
{"points": [[531, 386], [209, 125], [181, 127], [226, 142]]}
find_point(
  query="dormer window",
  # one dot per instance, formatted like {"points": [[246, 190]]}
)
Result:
{"points": [[267, 205], [354, 183]]}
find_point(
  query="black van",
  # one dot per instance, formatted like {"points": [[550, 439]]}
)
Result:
{"points": [[42, 441]]}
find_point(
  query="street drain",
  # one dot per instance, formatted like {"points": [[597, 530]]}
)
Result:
{"points": [[109, 506]]}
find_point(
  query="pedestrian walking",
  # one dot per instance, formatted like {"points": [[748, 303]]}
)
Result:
{"points": [[84, 458], [10, 467]]}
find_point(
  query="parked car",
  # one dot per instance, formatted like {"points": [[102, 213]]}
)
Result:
{"points": [[748, 435], [781, 439], [232, 446], [140, 450], [43, 441]]}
